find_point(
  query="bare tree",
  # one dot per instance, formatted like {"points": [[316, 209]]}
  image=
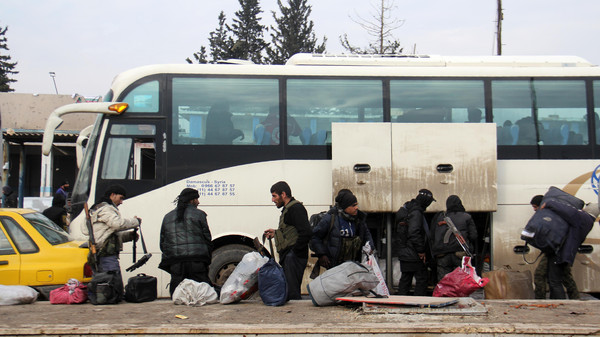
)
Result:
{"points": [[380, 26]]}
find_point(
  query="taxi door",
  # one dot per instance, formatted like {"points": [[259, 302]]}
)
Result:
{"points": [[10, 261]]}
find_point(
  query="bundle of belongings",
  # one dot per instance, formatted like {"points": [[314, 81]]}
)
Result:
{"points": [[345, 279], [561, 225]]}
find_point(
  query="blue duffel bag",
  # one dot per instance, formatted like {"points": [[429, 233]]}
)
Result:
{"points": [[272, 286]]}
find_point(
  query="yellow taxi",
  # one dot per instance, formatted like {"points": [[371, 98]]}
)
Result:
{"points": [[36, 252]]}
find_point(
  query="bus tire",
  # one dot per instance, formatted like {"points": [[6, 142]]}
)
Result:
{"points": [[224, 260]]}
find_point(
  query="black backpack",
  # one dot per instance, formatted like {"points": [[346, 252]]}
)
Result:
{"points": [[106, 288]]}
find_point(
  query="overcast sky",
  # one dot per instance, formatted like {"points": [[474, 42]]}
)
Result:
{"points": [[86, 43]]}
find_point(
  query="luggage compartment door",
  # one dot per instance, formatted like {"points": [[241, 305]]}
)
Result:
{"points": [[446, 158], [362, 162]]}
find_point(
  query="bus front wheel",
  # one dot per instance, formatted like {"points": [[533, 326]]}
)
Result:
{"points": [[224, 261]]}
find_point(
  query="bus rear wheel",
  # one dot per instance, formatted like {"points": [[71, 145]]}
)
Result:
{"points": [[224, 261]]}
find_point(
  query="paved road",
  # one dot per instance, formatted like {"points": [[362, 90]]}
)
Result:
{"points": [[507, 317]]}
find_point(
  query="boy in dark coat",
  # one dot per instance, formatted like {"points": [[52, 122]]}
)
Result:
{"points": [[412, 242]]}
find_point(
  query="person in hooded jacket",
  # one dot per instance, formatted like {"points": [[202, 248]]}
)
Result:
{"points": [[10, 199], [412, 245], [580, 223], [445, 247], [186, 241], [57, 213], [343, 239]]}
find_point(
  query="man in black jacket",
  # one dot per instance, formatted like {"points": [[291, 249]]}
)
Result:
{"points": [[445, 247], [185, 241], [291, 237], [343, 239], [412, 242]]}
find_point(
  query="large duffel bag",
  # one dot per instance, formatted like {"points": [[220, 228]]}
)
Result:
{"points": [[140, 288], [555, 193], [546, 230], [341, 281]]}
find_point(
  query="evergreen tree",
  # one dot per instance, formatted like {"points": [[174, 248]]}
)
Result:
{"points": [[220, 41], [247, 41], [6, 67], [200, 56], [294, 32]]}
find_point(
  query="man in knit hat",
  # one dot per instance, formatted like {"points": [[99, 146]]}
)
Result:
{"points": [[185, 241], [341, 233]]}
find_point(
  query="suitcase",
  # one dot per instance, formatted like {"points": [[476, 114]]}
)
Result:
{"points": [[140, 288]]}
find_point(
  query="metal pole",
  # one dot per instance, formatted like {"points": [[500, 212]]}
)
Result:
{"points": [[499, 28], [389, 272], [53, 75], [22, 171]]}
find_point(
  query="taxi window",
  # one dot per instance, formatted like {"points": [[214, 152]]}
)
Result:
{"points": [[20, 238], [5, 247], [48, 229]]}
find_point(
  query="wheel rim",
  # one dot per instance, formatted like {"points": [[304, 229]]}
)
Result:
{"points": [[224, 273]]}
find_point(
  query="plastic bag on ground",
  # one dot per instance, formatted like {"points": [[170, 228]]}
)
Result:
{"points": [[340, 281], [461, 282], [192, 293], [243, 281], [10, 295]]}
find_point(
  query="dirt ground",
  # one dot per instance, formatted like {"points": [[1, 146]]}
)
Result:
{"points": [[163, 312]]}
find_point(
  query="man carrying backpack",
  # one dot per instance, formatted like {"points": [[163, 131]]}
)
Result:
{"points": [[412, 244], [580, 222], [341, 233], [291, 237], [444, 245]]}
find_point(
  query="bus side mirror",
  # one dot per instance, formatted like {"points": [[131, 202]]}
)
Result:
{"points": [[521, 249], [585, 249]]}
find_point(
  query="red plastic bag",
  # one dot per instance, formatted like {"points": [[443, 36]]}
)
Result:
{"points": [[461, 282], [71, 293]]}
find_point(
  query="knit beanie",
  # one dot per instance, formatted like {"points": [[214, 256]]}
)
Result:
{"points": [[344, 200]]}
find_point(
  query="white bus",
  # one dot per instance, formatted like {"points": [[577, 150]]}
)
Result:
{"points": [[494, 130]]}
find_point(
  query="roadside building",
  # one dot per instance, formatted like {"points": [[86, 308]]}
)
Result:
{"points": [[23, 119]]}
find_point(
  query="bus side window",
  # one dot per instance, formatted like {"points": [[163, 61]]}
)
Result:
{"points": [[437, 101], [313, 104]]}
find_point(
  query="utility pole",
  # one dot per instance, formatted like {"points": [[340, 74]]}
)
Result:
{"points": [[499, 29]]}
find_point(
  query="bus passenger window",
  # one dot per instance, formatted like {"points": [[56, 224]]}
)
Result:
{"points": [[560, 107], [143, 98], [596, 109], [223, 111], [313, 104], [437, 101]]}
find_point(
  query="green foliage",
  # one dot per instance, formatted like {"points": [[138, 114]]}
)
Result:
{"points": [[247, 39], [293, 33], [6, 67]]}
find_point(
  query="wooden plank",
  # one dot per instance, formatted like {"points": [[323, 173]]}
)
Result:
{"points": [[419, 301]]}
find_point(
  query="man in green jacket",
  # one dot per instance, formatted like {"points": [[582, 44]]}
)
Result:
{"points": [[291, 237]]}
